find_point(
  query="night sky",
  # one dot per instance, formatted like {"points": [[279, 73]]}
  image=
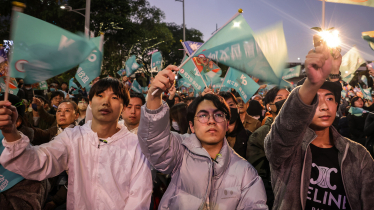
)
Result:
{"points": [[298, 16]]}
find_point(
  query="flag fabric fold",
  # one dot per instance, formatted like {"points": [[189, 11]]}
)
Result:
{"points": [[42, 50], [156, 61], [131, 65], [351, 61]]}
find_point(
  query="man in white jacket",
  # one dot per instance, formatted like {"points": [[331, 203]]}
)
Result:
{"points": [[106, 167]]}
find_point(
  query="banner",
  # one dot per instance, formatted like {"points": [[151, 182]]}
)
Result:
{"points": [[156, 61], [131, 66], [190, 47], [291, 72], [192, 75], [42, 50], [91, 67], [242, 83], [367, 3], [208, 69], [351, 61], [136, 87], [13, 89]]}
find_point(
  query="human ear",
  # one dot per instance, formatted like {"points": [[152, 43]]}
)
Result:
{"points": [[191, 127]]}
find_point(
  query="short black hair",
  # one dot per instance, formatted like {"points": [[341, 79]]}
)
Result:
{"points": [[57, 93], [138, 95], [64, 83], [218, 102], [176, 96], [42, 98], [271, 95], [354, 99], [84, 99], [227, 96], [110, 83]]}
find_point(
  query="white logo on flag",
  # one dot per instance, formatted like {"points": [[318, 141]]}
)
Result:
{"points": [[244, 82], [19, 65], [65, 42]]}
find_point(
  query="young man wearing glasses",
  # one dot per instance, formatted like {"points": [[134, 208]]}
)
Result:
{"points": [[206, 172]]}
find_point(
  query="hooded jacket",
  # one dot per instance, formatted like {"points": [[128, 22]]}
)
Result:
{"points": [[112, 175], [197, 182], [290, 157]]}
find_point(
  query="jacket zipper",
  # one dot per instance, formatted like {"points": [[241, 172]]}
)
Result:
{"points": [[209, 180], [341, 170]]}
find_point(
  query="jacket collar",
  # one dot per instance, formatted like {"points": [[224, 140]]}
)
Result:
{"points": [[338, 140], [222, 161], [121, 134]]}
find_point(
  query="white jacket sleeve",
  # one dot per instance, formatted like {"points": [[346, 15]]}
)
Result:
{"points": [[36, 162], [141, 183]]}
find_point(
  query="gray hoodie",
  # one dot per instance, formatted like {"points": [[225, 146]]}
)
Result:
{"points": [[287, 149], [197, 182]]}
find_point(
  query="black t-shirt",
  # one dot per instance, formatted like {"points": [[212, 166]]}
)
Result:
{"points": [[326, 189]]}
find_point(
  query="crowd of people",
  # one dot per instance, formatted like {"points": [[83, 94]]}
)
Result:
{"points": [[114, 148]]}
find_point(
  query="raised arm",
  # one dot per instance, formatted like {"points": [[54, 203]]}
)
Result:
{"points": [[297, 113], [48, 118], [162, 148], [31, 162]]}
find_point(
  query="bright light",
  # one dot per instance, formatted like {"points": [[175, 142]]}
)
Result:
{"points": [[346, 72], [62, 7], [331, 38], [298, 58], [236, 24]]}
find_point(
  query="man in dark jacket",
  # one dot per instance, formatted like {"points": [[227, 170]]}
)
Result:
{"points": [[312, 165], [56, 98], [40, 118], [273, 100], [237, 136]]}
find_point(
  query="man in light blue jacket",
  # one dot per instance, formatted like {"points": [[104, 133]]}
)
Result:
{"points": [[206, 172]]}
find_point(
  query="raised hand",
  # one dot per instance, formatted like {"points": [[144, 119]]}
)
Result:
{"points": [[163, 81], [172, 91], [8, 117], [318, 64], [38, 102]]}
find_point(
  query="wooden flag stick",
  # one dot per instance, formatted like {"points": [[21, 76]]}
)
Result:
{"points": [[17, 7]]}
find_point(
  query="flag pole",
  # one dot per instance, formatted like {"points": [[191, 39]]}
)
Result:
{"points": [[323, 14], [17, 7], [224, 79]]}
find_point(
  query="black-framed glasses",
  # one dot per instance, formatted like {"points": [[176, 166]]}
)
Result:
{"points": [[204, 117]]}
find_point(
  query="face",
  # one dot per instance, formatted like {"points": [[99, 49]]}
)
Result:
{"points": [[231, 103], [66, 114], [64, 86], [241, 105], [82, 105], [326, 110], [56, 100], [359, 103], [211, 132], [106, 107], [177, 100], [131, 113], [281, 95]]}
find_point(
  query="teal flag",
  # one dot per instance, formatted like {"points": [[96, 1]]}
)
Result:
{"points": [[356, 111], [366, 93], [291, 72], [351, 61], [7, 178], [156, 61], [91, 67], [364, 79], [220, 85], [43, 85], [262, 55], [121, 72], [72, 84], [131, 66], [192, 75], [242, 83], [42, 50], [183, 82], [136, 87]]}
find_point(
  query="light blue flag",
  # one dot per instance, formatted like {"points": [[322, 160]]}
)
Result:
{"points": [[364, 79], [242, 83], [220, 85], [42, 50], [192, 75], [131, 66], [190, 46], [236, 45], [366, 93], [13, 89], [72, 84], [121, 72], [183, 82], [356, 111], [43, 85], [136, 87], [291, 72], [156, 61], [91, 67]]}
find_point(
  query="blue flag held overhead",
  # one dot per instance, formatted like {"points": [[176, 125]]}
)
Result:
{"points": [[291, 72], [72, 83], [242, 83], [91, 67], [156, 61], [121, 72], [190, 47], [136, 87], [366, 93], [131, 66], [42, 50]]}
